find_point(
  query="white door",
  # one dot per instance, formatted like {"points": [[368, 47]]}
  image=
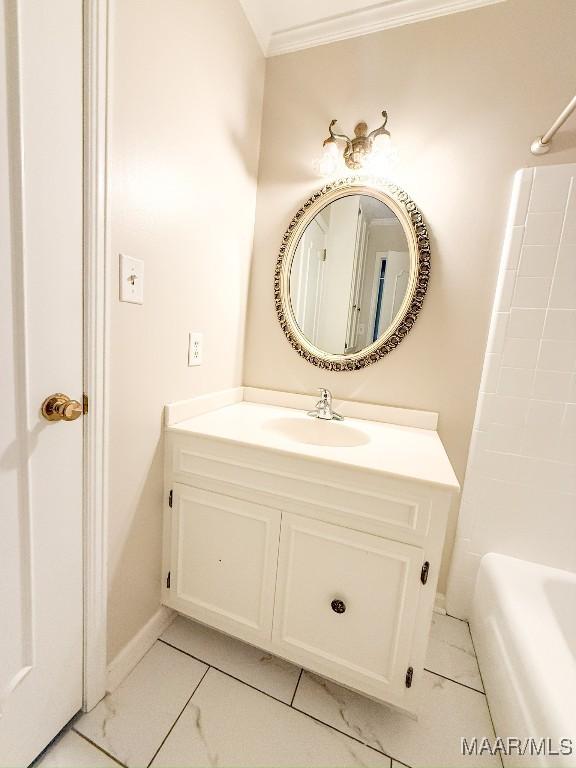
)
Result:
{"points": [[357, 283], [41, 354], [312, 249], [346, 604], [340, 251]]}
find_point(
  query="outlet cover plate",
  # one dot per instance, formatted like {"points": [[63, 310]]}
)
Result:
{"points": [[195, 343]]}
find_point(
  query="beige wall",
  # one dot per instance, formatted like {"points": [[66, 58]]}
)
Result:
{"points": [[186, 94], [466, 95]]}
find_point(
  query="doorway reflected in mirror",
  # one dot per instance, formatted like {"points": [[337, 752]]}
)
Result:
{"points": [[350, 274]]}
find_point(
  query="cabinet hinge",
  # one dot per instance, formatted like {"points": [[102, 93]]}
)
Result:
{"points": [[170, 498], [84, 404], [409, 676], [424, 572], [168, 581]]}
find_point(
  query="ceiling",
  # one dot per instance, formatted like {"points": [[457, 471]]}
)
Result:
{"points": [[282, 26]]}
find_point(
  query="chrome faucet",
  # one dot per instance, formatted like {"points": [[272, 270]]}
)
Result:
{"points": [[324, 407]]}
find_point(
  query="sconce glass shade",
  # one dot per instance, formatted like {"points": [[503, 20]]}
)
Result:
{"points": [[383, 157], [329, 161]]}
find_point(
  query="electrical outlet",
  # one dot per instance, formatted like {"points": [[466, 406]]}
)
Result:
{"points": [[195, 349], [131, 279]]}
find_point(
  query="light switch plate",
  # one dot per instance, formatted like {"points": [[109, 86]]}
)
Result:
{"points": [[131, 279], [195, 343]]}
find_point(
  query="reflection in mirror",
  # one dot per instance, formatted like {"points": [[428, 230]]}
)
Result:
{"points": [[350, 274]]}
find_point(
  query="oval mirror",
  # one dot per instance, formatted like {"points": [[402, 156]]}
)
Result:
{"points": [[352, 273]]}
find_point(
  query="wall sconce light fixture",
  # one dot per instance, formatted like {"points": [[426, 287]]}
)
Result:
{"points": [[360, 152]]}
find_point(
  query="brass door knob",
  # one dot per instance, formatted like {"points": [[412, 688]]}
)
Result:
{"points": [[60, 407]]}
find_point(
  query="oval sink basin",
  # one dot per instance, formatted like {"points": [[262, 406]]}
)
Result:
{"points": [[318, 432]]}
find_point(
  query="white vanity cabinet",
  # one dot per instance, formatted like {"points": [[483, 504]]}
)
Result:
{"points": [[223, 559], [329, 564], [346, 603]]}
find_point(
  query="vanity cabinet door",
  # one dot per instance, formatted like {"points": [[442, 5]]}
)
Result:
{"points": [[346, 604], [223, 561]]}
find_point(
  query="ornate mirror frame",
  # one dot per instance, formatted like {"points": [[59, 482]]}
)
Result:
{"points": [[419, 244]]}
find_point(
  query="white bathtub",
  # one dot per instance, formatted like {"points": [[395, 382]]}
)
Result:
{"points": [[524, 629]]}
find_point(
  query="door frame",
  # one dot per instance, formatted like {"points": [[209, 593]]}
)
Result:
{"points": [[96, 278], [380, 257]]}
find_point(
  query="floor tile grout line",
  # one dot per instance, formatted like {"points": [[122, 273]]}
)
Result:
{"points": [[178, 718], [332, 727], [487, 700], [456, 682], [229, 674], [297, 684], [54, 741], [348, 736], [265, 693], [285, 703], [399, 762], [239, 679], [464, 621], [99, 748]]}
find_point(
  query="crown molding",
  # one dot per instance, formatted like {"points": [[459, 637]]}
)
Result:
{"points": [[262, 37], [387, 14]]}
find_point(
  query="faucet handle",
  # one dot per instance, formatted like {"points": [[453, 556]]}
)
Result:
{"points": [[324, 406]]}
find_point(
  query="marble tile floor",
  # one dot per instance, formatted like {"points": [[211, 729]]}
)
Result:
{"points": [[200, 698]]}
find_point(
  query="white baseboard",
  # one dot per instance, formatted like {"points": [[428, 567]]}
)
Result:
{"points": [[121, 666], [440, 603]]}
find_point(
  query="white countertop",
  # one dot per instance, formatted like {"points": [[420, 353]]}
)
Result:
{"points": [[402, 452]]}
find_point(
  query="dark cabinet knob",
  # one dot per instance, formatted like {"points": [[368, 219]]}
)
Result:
{"points": [[338, 606]]}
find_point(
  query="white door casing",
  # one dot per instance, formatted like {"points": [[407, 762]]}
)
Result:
{"points": [[96, 341], [395, 284], [41, 338]]}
